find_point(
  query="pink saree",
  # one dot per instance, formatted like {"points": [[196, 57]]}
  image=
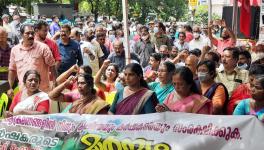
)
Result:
{"points": [[192, 104]]}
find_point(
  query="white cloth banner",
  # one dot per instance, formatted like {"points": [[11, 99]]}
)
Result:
{"points": [[160, 131]]}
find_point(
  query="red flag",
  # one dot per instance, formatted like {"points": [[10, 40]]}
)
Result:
{"points": [[245, 17]]}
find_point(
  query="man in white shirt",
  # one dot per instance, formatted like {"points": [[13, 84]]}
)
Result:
{"points": [[198, 41]]}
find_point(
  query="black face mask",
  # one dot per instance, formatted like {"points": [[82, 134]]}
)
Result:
{"points": [[90, 38], [164, 55]]}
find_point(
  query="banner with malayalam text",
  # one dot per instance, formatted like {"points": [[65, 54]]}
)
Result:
{"points": [[160, 131]]}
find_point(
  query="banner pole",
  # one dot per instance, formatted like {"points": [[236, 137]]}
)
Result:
{"points": [[126, 33]]}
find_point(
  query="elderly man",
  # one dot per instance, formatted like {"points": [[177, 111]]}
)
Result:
{"points": [[191, 62], [198, 41], [5, 22], [30, 55], [118, 56], [5, 51], [231, 76]]}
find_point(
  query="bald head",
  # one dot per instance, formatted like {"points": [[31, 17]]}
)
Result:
{"points": [[75, 34], [191, 62], [118, 47]]}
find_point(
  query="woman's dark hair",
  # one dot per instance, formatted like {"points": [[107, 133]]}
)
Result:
{"points": [[256, 70], [183, 33], [31, 72], [116, 69], [187, 76], [170, 66], [89, 81], [210, 66], [87, 69], [156, 56], [136, 68], [161, 25], [188, 28]]}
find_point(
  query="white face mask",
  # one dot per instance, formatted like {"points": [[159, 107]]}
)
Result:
{"points": [[202, 76], [243, 66], [196, 35], [156, 29]]}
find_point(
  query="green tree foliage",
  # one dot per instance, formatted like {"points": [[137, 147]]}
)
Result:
{"points": [[139, 9], [201, 16]]}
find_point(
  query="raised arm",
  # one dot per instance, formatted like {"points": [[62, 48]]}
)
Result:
{"points": [[64, 76], [210, 35], [97, 80], [57, 95]]}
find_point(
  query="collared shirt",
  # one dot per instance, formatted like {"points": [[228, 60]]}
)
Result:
{"points": [[161, 40], [37, 57], [86, 57], [180, 46], [54, 27], [222, 44], [4, 62], [199, 43], [54, 49], [231, 81], [144, 50], [120, 59], [70, 55]]}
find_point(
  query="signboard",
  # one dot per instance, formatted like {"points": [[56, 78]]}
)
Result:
{"points": [[193, 3], [159, 131]]}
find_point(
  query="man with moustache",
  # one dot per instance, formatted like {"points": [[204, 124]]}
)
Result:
{"points": [[118, 56], [231, 76], [29, 55], [69, 50]]}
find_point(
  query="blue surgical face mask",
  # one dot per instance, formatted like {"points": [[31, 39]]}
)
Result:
{"points": [[242, 66], [203, 76], [156, 29]]}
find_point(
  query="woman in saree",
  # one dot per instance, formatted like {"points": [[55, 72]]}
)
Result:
{"points": [[135, 98], [30, 100], [186, 97], [243, 90], [85, 101], [164, 86], [255, 105], [216, 92], [108, 85]]}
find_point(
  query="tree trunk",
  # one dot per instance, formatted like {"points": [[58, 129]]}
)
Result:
{"points": [[96, 10]]}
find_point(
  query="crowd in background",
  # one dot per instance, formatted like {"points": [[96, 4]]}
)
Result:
{"points": [[179, 68]]}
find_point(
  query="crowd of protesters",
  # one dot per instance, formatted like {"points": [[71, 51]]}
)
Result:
{"points": [[179, 68]]}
